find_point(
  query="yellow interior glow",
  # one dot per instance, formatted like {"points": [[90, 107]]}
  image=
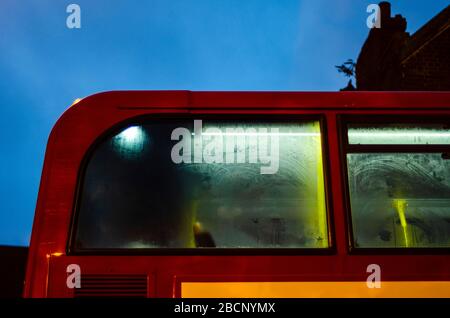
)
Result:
{"points": [[193, 215], [400, 205], [321, 210]]}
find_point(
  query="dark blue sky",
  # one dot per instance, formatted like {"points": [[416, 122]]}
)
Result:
{"points": [[177, 44]]}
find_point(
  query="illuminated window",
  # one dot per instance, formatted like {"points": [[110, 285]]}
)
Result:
{"points": [[399, 192], [399, 134], [196, 184]]}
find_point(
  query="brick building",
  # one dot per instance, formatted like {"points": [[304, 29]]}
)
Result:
{"points": [[392, 59]]}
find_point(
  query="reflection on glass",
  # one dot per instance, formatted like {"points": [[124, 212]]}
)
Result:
{"points": [[397, 134], [130, 142], [400, 200], [208, 184]]}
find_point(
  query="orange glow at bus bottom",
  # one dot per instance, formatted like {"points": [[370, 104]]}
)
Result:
{"points": [[406, 289]]}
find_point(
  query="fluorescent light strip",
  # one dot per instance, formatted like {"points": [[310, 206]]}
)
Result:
{"points": [[262, 134], [397, 134]]}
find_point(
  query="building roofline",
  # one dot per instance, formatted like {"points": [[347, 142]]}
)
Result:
{"points": [[427, 33]]}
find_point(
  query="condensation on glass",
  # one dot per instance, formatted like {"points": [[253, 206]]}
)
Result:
{"points": [[400, 199], [399, 134], [186, 184]]}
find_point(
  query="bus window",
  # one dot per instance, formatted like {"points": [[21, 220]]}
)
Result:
{"points": [[399, 134], [195, 184], [399, 195]]}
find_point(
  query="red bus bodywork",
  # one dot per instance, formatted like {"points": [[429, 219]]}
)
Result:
{"points": [[88, 119]]}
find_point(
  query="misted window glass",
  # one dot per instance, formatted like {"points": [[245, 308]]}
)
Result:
{"points": [[193, 183], [399, 199], [398, 134]]}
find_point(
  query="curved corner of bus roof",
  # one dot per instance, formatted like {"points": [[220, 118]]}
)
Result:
{"points": [[125, 98], [128, 96]]}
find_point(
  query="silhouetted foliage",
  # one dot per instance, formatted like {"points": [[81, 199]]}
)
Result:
{"points": [[348, 69]]}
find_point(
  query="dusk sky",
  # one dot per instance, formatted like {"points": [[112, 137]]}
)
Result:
{"points": [[283, 45]]}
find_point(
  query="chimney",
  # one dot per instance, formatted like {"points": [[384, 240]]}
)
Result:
{"points": [[388, 23], [385, 13]]}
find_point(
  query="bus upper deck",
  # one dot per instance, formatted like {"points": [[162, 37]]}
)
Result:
{"points": [[245, 194]]}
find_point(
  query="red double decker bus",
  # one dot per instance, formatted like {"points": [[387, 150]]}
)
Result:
{"points": [[245, 194]]}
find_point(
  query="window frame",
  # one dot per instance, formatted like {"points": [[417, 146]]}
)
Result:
{"points": [[148, 118], [343, 122]]}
